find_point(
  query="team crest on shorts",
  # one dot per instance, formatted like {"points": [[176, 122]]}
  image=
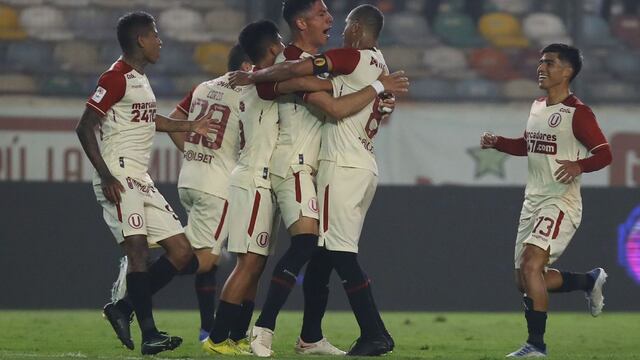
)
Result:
{"points": [[262, 239], [313, 204], [135, 221], [554, 119]]}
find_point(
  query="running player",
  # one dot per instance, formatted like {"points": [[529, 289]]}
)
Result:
{"points": [[562, 140], [123, 106]]}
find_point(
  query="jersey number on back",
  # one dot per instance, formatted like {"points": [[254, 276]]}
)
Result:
{"points": [[220, 116], [374, 120]]}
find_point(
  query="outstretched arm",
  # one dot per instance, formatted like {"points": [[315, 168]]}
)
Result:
{"points": [[167, 124], [85, 130], [516, 147]]}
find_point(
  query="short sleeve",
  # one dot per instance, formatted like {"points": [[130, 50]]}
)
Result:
{"points": [[267, 90], [185, 104], [343, 61], [111, 88]]}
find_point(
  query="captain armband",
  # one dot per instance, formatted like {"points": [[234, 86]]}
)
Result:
{"points": [[320, 65]]}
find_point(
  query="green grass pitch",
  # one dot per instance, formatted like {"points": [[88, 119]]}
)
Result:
{"points": [[482, 336]]}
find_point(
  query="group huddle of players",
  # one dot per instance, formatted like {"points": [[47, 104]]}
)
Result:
{"points": [[288, 133]]}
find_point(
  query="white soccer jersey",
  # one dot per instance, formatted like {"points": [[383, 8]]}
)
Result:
{"points": [[208, 162], [564, 131], [125, 99], [258, 135], [300, 123], [349, 142]]}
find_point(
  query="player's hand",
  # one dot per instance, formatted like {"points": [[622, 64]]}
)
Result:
{"points": [[387, 104], [203, 124], [488, 140], [111, 188], [395, 83], [240, 78], [567, 171]]}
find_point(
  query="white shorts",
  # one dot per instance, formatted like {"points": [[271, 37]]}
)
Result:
{"points": [[345, 195], [296, 194], [253, 221], [548, 228], [142, 211], [206, 225]]}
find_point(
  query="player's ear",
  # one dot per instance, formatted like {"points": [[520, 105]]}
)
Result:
{"points": [[245, 66], [301, 23]]}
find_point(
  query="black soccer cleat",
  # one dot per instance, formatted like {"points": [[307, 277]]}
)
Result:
{"points": [[392, 344], [120, 324], [160, 342], [370, 347]]}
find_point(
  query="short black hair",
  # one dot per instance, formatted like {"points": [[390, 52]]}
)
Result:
{"points": [[568, 53], [370, 17], [130, 26], [236, 57], [256, 38], [291, 9]]}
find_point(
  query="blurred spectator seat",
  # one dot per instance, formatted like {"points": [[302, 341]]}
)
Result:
{"points": [[510, 6], [93, 23], [23, 2], [162, 85], [125, 5], [10, 25], [77, 57], [521, 89], [212, 57], [545, 28], [502, 30], [45, 23], [432, 89], [627, 28], [445, 61], [457, 29], [594, 66], [492, 64], [62, 85], [612, 91], [183, 24], [405, 58], [17, 84], [626, 65], [595, 32], [402, 25], [526, 62], [477, 89], [70, 3], [176, 58], [110, 52], [184, 84], [225, 24], [29, 56]]}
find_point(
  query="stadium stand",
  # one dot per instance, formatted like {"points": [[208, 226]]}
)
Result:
{"points": [[488, 44]]}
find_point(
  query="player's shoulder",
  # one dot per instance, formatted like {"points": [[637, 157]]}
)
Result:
{"points": [[118, 68], [292, 52], [574, 102]]}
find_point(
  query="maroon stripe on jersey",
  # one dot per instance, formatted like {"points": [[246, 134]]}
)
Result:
{"points": [[297, 184], [37, 124], [119, 212], [325, 210], [254, 214], [224, 215], [556, 231], [292, 52]]}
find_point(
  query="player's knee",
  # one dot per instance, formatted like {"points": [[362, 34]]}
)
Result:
{"points": [[531, 266]]}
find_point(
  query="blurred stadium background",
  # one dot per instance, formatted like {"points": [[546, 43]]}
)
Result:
{"points": [[442, 226]]}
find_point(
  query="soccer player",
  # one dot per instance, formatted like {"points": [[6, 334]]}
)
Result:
{"points": [[203, 184], [124, 108], [562, 140], [347, 174], [252, 207]]}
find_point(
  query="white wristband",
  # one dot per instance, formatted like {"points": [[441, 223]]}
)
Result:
{"points": [[378, 87]]}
